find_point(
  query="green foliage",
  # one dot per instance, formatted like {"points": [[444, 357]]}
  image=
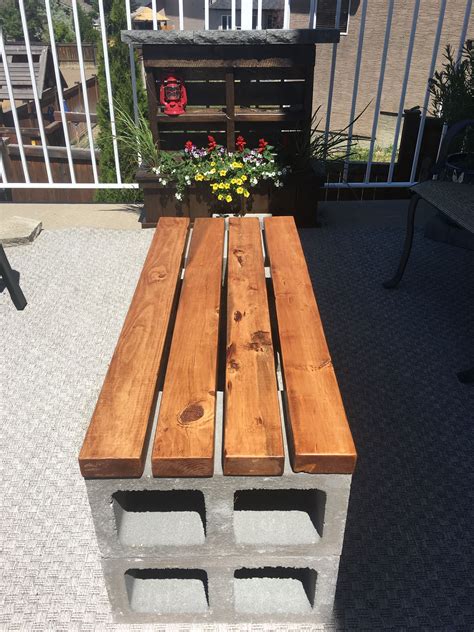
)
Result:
{"points": [[452, 88], [119, 64], [312, 147], [61, 15], [10, 20]]}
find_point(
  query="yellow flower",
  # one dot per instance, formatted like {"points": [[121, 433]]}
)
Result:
{"points": [[246, 193], [199, 177], [220, 196], [226, 185], [244, 178], [215, 186], [240, 190], [239, 181], [237, 165], [223, 173], [221, 185], [212, 171], [228, 198], [233, 181], [213, 164]]}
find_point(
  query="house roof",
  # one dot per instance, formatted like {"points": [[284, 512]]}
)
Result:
{"points": [[20, 72], [145, 14], [267, 5]]}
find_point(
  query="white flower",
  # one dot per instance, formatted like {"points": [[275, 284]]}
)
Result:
{"points": [[156, 170], [163, 181], [178, 196]]}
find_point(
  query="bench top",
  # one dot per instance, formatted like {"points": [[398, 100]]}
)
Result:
{"points": [[218, 308]]}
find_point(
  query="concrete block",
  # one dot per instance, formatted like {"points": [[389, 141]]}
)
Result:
{"points": [[295, 513], [231, 590], [17, 230]]}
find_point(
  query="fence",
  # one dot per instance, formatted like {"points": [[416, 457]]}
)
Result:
{"points": [[294, 13]]}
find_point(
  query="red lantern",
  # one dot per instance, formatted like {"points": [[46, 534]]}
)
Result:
{"points": [[173, 96]]}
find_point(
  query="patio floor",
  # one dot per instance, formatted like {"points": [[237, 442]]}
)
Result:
{"points": [[406, 562]]}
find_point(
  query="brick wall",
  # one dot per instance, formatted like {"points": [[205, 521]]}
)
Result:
{"points": [[373, 45]]}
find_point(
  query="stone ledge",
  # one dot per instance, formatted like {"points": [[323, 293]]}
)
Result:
{"points": [[212, 37], [17, 230]]}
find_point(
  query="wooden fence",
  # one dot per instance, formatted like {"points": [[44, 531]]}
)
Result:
{"points": [[67, 53]]}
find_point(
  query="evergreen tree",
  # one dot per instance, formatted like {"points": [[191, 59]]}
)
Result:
{"points": [[119, 63]]}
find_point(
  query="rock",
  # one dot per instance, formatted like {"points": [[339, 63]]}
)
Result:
{"points": [[17, 230]]}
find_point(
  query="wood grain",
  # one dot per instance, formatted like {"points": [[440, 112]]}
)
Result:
{"points": [[253, 442], [319, 437], [115, 443], [184, 440]]}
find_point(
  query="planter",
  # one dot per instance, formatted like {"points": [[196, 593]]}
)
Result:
{"points": [[457, 164], [298, 197]]}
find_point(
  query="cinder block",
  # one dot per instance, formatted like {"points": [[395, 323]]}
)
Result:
{"points": [[232, 590], [293, 514]]}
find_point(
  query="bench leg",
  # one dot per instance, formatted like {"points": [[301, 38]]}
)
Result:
{"points": [[467, 376], [10, 279], [392, 283]]}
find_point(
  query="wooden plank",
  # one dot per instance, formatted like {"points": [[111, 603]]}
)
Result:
{"points": [[203, 115], [230, 110], [319, 437], [115, 443], [184, 440], [253, 442], [75, 117]]}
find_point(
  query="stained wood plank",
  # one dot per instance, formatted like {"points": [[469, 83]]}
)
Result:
{"points": [[184, 440], [319, 437], [115, 442], [253, 442]]}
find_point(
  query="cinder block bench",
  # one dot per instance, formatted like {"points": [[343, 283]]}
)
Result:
{"points": [[218, 460]]}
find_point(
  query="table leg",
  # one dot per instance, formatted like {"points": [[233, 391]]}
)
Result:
{"points": [[11, 281], [392, 283]]}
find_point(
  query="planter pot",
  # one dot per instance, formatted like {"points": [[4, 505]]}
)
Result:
{"points": [[457, 164], [298, 197]]}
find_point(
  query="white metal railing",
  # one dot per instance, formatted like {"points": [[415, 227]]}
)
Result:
{"points": [[246, 8]]}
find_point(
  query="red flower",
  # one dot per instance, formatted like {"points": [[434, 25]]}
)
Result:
{"points": [[240, 143], [211, 145], [262, 143], [188, 146]]}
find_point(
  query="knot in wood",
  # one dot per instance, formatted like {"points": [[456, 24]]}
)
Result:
{"points": [[260, 340], [191, 413]]}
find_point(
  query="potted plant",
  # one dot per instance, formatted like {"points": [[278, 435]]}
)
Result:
{"points": [[452, 90], [200, 181], [308, 153]]}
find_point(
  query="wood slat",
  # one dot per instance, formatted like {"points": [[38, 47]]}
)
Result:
{"points": [[115, 443], [253, 442], [320, 440], [184, 440]]}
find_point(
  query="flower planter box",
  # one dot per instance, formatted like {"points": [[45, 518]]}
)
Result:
{"points": [[298, 197]]}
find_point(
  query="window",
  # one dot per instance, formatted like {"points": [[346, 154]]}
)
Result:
{"points": [[226, 22], [327, 14]]}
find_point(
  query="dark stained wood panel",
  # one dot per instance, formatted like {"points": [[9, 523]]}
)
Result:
{"points": [[115, 443], [184, 440], [319, 437], [253, 442]]}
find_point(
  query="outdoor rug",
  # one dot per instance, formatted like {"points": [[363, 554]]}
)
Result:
{"points": [[407, 559]]}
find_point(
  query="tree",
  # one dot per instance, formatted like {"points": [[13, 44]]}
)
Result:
{"points": [[10, 20], [61, 15], [119, 64]]}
